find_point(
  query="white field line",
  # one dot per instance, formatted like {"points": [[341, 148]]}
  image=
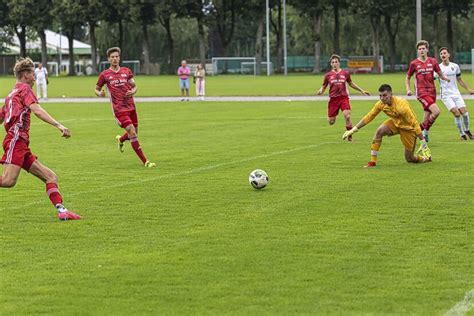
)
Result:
{"points": [[463, 306], [177, 174]]}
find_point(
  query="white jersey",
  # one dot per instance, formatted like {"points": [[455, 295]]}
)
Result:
{"points": [[452, 71], [40, 74]]}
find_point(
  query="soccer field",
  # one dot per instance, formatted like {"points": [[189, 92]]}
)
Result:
{"points": [[152, 86], [326, 236]]}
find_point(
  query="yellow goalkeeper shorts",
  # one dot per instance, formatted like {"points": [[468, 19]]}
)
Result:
{"points": [[408, 138]]}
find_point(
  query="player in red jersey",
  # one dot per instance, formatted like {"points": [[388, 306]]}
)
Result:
{"points": [[338, 92], [121, 87], [15, 115], [424, 68]]}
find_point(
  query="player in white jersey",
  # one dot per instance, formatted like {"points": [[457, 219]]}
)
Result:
{"points": [[451, 96], [41, 77]]}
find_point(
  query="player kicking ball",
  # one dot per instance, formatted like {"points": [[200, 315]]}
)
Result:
{"points": [[121, 88], [15, 115], [402, 121]]}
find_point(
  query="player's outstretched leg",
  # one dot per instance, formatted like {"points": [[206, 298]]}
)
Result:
{"points": [[465, 119], [49, 178]]}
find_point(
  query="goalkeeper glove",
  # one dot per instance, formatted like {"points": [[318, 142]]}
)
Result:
{"points": [[350, 132]]}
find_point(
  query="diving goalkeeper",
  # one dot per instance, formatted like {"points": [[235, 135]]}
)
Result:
{"points": [[402, 121]]}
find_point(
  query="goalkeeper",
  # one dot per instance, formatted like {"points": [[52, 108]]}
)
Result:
{"points": [[402, 121]]}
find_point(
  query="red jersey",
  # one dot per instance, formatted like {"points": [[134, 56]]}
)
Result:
{"points": [[337, 83], [16, 111], [118, 83], [424, 76]]}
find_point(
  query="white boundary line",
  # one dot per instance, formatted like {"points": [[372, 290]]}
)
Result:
{"points": [[195, 170], [463, 306]]}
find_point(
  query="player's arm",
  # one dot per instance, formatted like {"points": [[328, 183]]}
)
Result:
{"points": [[2, 114], [44, 116], [407, 85], [99, 92], [322, 89], [133, 86], [364, 121], [464, 85], [356, 87]]}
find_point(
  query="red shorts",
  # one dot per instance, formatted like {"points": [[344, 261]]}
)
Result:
{"points": [[337, 103], [426, 101], [17, 153], [126, 118]]}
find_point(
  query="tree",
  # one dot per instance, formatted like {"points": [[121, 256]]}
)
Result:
{"points": [[71, 15], [314, 11], [143, 12], [20, 16], [42, 19], [94, 12], [393, 14], [165, 10]]}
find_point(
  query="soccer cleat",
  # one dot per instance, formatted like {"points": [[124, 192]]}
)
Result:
{"points": [[68, 216], [119, 143], [468, 133], [463, 137], [150, 164], [426, 135], [370, 164], [349, 139]]}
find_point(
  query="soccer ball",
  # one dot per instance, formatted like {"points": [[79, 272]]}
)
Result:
{"points": [[258, 179]]}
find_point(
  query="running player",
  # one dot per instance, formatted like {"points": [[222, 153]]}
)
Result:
{"points": [[121, 87], [402, 121], [424, 68], [451, 96], [15, 115], [338, 92]]}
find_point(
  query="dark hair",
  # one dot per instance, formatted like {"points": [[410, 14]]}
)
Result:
{"points": [[443, 48], [334, 56], [385, 87], [423, 42], [113, 50]]}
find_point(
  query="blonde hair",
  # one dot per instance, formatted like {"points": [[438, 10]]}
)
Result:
{"points": [[23, 65], [422, 42]]}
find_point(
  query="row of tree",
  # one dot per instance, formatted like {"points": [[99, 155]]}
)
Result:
{"points": [[161, 31]]}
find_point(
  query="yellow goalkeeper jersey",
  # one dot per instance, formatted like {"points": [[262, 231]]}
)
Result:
{"points": [[400, 112]]}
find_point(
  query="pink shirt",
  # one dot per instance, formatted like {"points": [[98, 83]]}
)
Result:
{"points": [[16, 111], [424, 76], [183, 72], [337, 83], [118, 83]]}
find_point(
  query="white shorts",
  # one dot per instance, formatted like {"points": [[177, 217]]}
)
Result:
{"points": [[453, 101]]}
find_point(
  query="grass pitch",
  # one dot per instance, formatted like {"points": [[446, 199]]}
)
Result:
{"points": [[278, 85], [192, 237]]}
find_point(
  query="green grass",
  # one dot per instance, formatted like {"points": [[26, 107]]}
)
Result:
{"points": [[192, 237], [222, 85]]}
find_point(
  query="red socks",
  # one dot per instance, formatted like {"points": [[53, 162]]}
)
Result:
{"points": [[124, 137], [138, 150], [53, 193]]}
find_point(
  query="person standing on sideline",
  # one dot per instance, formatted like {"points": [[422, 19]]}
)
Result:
{"points": [[338, 92], [424, 68], [402, 120], [42, 81], [121, 87], [450, 95], [15, 116], [199, 80], [183, 74]]}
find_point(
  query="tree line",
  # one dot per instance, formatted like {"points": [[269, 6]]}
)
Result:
{"points": [[165, 31]]}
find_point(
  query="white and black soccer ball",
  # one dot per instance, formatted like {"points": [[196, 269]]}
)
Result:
{"points": [[258, 179]]}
